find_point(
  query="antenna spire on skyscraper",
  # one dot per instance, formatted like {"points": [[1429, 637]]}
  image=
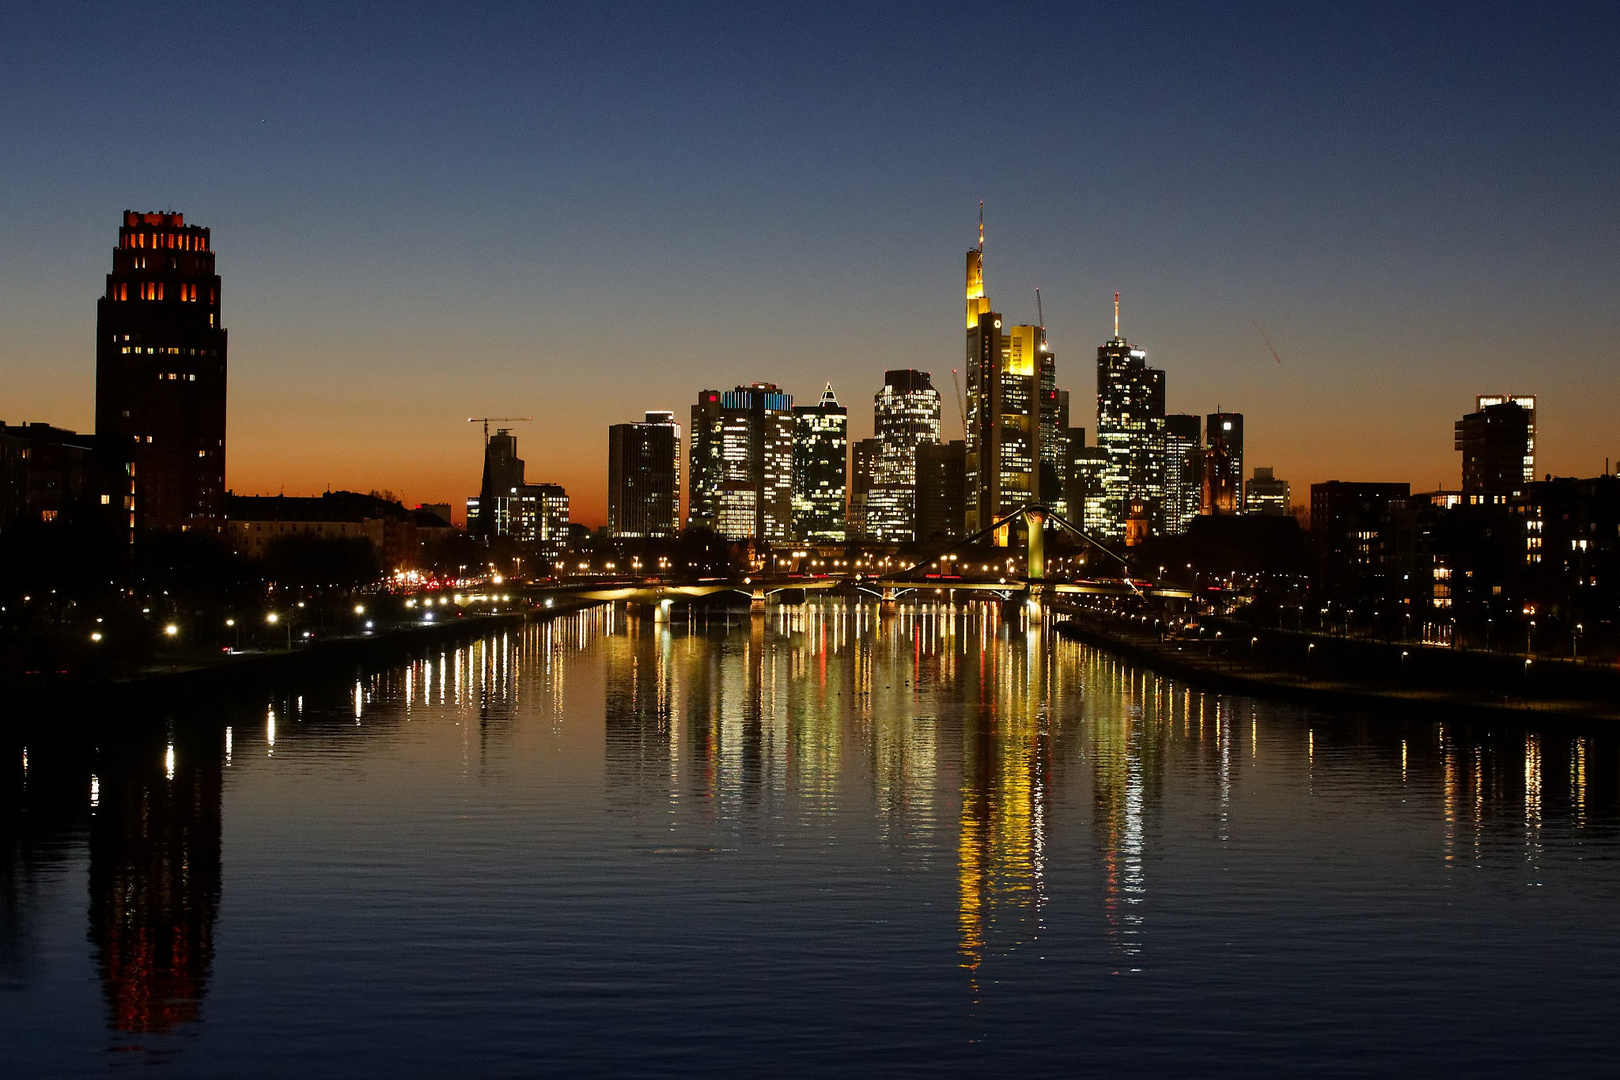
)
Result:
{"points": [[981, 226], [1116, 314]]}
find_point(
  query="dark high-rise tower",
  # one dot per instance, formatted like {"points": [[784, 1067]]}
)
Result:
{"points": [[160, 370], [503, 475], [644, 477], [1498, 444]]}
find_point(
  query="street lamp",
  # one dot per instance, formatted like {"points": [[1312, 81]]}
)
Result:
{"points": [[273, 619]]}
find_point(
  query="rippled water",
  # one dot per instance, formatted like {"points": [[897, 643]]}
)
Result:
{"points": [[819, 841]]}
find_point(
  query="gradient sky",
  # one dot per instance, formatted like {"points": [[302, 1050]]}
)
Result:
{"points": [[425, 213]]}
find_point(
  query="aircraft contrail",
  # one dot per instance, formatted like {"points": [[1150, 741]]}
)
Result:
{"points": [[1269, 345]]}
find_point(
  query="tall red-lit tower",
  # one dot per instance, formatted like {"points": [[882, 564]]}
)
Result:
{"points": [[160, 370]]}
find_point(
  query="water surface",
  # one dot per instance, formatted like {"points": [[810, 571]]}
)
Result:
{"points": [[819, 840]]}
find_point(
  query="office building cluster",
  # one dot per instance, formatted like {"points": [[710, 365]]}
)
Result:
{"points": [[1499, 550], [760, 467], [508, 505]]}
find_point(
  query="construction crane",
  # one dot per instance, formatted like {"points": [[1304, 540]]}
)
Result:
{"points": [[1040, 316], [961, 410], [487, 420]]}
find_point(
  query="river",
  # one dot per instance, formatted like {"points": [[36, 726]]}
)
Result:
{"points": [[822, 840]]}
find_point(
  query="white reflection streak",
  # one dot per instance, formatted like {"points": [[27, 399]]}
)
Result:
{"points": [[270, 732], [168, 763], [227, 747], [1131, 846], [359, 700], [95, 791], [1223, 734]]}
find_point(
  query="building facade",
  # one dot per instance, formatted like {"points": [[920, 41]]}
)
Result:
{"points": [[941, 486], [1497, 442], [50, 474], [1130, 432], [490, 514], [863, 459], [644, 477], [1183, 470], [1223, 464], [1007, 368], [905, 416], [820, 462], [1266, 494], [741, 478], [1527, 402], [160, 370], [255, 522], [539, 514]]}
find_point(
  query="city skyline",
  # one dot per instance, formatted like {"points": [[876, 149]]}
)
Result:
{"points": [[1403, 244]]}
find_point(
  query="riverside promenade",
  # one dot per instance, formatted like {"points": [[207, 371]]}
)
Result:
{"points": [[1355, 673], [251, 672]]}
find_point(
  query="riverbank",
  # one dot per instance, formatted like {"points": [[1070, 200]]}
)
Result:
{"points": [[1350, 673], [255, 672]]}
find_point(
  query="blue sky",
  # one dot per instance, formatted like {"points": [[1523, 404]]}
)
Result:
{"points": [[430, 212]]}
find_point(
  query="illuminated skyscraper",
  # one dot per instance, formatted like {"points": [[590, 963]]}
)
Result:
{"points": [[160, 370], [741, 481], [820, 453], [1130, 431], [1183, 471], [905, 415], [1006, 368], [706, 470], [1223, 464], [644, 477]]}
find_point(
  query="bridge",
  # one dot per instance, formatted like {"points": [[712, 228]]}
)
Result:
{"points": [[1033, 583]]}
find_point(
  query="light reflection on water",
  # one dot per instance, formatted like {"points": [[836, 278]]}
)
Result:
{"points": [[824, 835]]}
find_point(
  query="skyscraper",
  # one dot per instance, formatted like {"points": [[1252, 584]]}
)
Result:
{"points": [[1130, 431], [1498, 444], [1223, 463], [940, 487], [644, 477], [1005, 373], [1183, 470], [160, 370], [863, 458], [905, 415], [1053, 486], [741, 481], [706, 470], [491, 515], [820, 453]]}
